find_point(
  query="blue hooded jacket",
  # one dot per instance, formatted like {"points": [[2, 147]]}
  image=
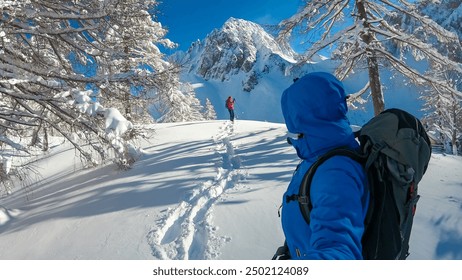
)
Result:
{"points": [[315, 106]]}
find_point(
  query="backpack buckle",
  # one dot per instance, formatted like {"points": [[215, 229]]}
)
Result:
{"points": [[302, 199], [377, 147]]}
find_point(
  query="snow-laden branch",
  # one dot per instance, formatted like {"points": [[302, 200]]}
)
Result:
{"points": [[329, 41], [307, 15], [356, 97], [424, 48], [414, 75], [409, 9]]}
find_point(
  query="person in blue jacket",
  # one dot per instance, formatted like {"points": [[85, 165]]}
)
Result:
{"points": [[315, 108]]}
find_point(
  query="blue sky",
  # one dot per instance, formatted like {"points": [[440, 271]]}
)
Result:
{"points": [[189, 20]]}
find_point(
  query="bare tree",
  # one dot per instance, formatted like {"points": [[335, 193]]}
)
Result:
{"points": [[62, 63], [360, 33]]}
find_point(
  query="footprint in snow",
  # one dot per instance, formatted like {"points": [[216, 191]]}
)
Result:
{"points": [[187, 231]]}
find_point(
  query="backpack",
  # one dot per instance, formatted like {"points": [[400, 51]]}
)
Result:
{"points": [[395, 151]]}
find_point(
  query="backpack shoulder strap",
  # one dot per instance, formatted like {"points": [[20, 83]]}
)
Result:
{"points": [[305, 187]]}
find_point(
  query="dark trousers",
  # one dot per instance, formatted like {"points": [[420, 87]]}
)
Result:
{"points": [[231, 114]]}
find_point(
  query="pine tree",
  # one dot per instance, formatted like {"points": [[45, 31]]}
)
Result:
{"points": [[209, 112], [180, 105]]}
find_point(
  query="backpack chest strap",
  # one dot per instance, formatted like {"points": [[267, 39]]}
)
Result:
{"points": [[303, 196]]}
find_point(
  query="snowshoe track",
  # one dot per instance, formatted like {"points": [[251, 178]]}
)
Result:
{"points": [[187, 231]]}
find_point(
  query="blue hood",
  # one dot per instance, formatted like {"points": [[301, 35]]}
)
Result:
{"points": [[315, 106]]}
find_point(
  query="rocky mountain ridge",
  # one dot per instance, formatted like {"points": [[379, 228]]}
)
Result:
{"points": [[238, 47]]}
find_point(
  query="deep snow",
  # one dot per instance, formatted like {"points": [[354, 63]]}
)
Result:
{"points": [[203, 190]]}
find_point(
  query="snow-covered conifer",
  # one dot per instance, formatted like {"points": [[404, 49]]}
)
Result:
{"points": [[209, 110], [180, 105]]}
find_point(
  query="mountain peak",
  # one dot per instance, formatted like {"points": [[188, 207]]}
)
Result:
{"points": [[241, 24], [238, 46]]}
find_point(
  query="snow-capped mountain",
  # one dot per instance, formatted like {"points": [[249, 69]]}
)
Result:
{"points": [[242, 60], [239, 46]]}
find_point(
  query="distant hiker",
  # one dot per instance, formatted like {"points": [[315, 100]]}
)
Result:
{"points": [[230, 106], [314, 107]]}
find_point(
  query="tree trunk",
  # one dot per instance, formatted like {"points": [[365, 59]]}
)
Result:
{"points": [[35, 135], [45, 146], [455, 147], [372, 63], [127, 101], [376, 87]]}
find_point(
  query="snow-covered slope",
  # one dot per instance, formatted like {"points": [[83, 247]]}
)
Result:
{"points": [[195, 190], [203, 190]]}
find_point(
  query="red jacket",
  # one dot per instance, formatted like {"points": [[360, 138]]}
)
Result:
{"points": [[230, 103]]}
